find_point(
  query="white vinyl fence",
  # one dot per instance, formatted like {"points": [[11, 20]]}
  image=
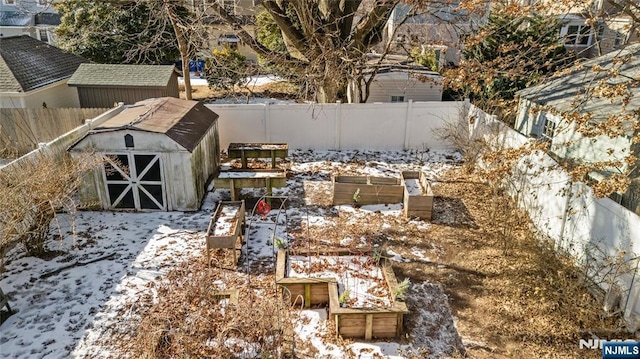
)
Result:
{"points": [[602, 235], [336, 126]]}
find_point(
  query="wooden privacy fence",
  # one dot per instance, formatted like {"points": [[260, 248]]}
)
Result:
{"points": [[21, 129]]}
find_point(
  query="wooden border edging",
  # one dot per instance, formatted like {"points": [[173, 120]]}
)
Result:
{"points": [[364, 323], [228, 241], [369, 189], [417, 205]]}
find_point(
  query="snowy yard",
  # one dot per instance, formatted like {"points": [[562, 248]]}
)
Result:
{"points": [[70, 306]]}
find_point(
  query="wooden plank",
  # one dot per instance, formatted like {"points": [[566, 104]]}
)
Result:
{"points": [[295, 280], [343, 193], [307, 296], [352, 332], [353, 320], [384, 316], [368, 327], [387, 324], [281, 259], [249, 182]]}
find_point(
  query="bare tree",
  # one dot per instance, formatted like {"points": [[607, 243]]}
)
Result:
{"points": [[327, 40]]}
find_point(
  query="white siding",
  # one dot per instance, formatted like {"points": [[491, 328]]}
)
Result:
{"points": [[402, 84], [55, 95]]}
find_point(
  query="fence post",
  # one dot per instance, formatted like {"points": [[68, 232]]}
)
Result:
{"points": [[564, 214], [406, 124], [267, 122], [338, 123]]}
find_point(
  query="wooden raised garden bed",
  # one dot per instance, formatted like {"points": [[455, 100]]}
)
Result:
{"points": [[258, 150], [366, 190], [418, 196], [225, 228], [373, 313], [235, 180]]}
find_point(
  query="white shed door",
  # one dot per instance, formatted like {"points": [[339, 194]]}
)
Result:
{"points": [[134, 181]]}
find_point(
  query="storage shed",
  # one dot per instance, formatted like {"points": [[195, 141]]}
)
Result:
{"points": [[159, 155], [102, 85]]}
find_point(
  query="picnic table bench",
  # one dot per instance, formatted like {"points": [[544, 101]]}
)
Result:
{"points": [[258, 150], [236, 179]]}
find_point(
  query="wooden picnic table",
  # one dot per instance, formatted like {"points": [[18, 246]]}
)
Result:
{"points": [[258, 150]]}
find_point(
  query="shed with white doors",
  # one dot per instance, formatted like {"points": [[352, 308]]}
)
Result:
{"points": [[159, 155]]}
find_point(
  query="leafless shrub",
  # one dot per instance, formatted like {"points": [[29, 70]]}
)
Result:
{"points": [[192, 319], [32, 190]]}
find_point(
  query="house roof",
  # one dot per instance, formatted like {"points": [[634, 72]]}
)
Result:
{"points": [[396, 63], [27, 64], [564, 92], [108, 75], [14, 18], [48, 18], [185, 122]]}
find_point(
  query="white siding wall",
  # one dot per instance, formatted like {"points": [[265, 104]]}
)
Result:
{"points": [[567, 142], [401, 84], [55, 95]]}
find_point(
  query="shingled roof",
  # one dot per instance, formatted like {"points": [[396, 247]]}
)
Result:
{"points": [[106, 75], [564, 91], [185, 122], [27, 64]]}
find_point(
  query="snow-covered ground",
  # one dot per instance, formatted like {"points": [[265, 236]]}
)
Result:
{"points": [[66, 306]]}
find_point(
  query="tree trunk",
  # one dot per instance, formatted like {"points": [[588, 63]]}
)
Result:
{"points": [[184, 50]]}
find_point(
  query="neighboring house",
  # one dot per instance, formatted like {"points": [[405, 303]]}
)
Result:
{"points": [[103, 85], [437, 27], [574, 92], [35, 74], [160, 154], [35, 18], [397, 83], [221, 34], [591, 27]]}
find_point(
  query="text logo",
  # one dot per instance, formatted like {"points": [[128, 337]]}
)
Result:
{"points": [[621, 350]]}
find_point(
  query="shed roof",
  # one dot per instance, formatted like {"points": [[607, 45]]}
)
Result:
{"points": [[110, 75], [564, 92], [27, 64], [185, 122]]}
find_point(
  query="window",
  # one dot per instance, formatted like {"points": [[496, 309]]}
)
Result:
{"points": [[397, 98], [229, 40], [229, 6], [577, 35], [548, 131], [43, 34], [128, 141]]}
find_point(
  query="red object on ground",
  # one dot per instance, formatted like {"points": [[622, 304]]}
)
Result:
{"points": [[263, 208]]}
